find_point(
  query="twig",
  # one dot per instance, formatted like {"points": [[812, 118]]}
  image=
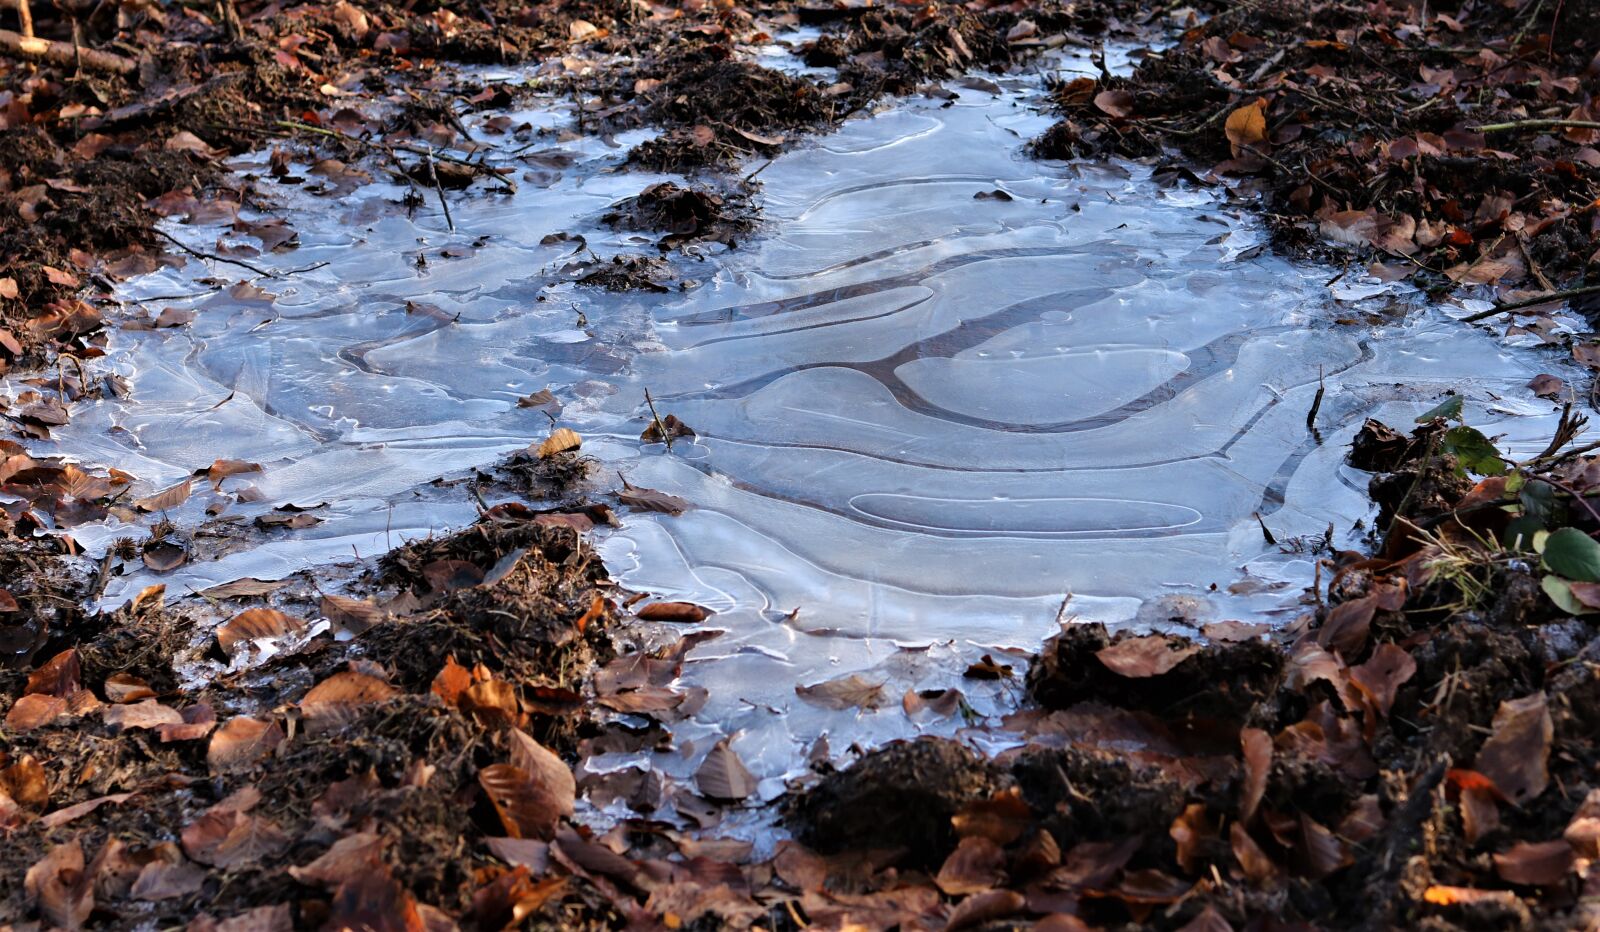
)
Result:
{"points": [[1316, 402], [206, 255], [1532, 302], [63, 53], [662, 428], [440, 188], [1536, 124]]}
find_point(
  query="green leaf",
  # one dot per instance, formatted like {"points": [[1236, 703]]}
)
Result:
{"points": [[1573, 554], [1515, 482], [1560, 592], [1449, 409], [1519, 533], [1539, 501], [1474, 451]]}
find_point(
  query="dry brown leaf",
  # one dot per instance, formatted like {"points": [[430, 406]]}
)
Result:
{"points": [[146, 714], [1002, 818], [526, 809], [244, 588], [723, 776], [1117, 104], [682, 612], [60, 887], [976, 865], [1140, 657], [1247, 125], [341, 697], [652, 500], [348, 857], [1517, 753], [844, 692], [1257, 746], [560, 440], [35, 710], [1381, 677], [1535, 864], [353, 615], [256, 624], [24, 781], [242, 742], [125, 687], [165, 500]]}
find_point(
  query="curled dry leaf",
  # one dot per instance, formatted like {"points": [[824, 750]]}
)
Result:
{"points": [[1536, 864], [723, 776], [844, 692], [341, 697], [348, 857], [256, 624], [353, 615], [560, 440], [1247, 125], [1517, 753], [1381, 677], [652, 500], [125, 687], [526, 808], [60, 887], [165, 500], [976, 865], [682, 612], [146, 714], [242, 742], [1257, 746], [198, 720], [1140, 657], [1118, 104]]}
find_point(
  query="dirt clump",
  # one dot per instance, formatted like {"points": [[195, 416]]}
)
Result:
{"points": [[900, 797], [685, 214], [1455, 149]]}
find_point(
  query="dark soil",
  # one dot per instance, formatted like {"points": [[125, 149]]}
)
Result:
{"points": [[1411, 132]]}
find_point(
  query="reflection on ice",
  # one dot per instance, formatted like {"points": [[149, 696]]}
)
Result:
{"points": [[924, 418]]}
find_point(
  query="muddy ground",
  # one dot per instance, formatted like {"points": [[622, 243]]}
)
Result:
{"points": [[1417, 751]]}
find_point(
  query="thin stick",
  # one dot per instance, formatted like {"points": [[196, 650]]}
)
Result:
{"points": [[1536, 124], [206, 255], [25, 14], [660, 427], [62, 53], [1532, 302], [440, 188], [1316, 402]]}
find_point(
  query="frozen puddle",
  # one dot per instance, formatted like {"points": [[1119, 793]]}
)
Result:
{"points": [[924, 417]]}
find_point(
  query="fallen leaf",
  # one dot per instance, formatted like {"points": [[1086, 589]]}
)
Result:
{"points": [[684, 612], [125, 687], [561, 440], [723, 776], [146, 714], [976, 865], [1247, 125], [1140, 657], [526, 808], [347, 858], [60, 887], [1535, 864], [652, 500], [242, 742], [342, 697], [1118, 104], [165, 500], [256, 624], [844, 692], [1517, 752], [1257, 746]]}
